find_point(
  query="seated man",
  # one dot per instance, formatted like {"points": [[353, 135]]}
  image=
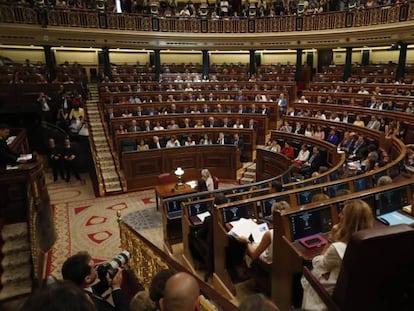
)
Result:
{"points": [[313, 164]]}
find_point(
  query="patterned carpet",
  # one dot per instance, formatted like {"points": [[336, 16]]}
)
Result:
{"points": [[84, 222]]}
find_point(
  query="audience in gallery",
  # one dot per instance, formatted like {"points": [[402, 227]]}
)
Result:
{"points": [[220, 9], [356, 216]]}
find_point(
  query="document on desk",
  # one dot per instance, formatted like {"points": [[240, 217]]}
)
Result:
{"points": [[203, 216], [246, 227], [26, 157], [395, 218]]}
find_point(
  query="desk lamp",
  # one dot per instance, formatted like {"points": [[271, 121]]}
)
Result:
{"points": [[179, 172]]}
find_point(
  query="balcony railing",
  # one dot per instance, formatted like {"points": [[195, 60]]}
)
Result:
{"points": [[137, 22]]}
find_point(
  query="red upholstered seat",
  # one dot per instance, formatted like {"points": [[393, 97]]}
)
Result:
{"points": [[216, 182], [165, 178]]}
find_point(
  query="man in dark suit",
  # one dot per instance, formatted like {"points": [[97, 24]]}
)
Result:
{"points": [[7, 156], [237, 141], [80, 269], [134, 127], [55, 159], [156, 143], [69, 160], [265, 110], [313, 164]]}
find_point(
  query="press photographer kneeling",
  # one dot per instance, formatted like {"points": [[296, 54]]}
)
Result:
{"points": [[97, 280]]}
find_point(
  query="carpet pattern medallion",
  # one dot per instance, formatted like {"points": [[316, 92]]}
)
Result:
{"points": [[91, 223]]}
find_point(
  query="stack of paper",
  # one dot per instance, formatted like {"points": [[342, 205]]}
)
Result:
{"points": [[246, 227], [26, 157], [203, 216]]}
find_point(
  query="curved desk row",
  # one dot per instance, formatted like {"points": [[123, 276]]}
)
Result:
{"points": [[142, 168], [248, 137], [261, 123], [362, 100]]}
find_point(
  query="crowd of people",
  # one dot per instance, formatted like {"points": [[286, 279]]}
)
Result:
{"points": [[214, 9], [83, 289], [38, 73]]}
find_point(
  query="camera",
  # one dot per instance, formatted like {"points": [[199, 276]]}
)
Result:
{"points": [[111, 267]]}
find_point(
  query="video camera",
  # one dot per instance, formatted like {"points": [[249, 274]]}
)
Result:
{"points": [[111, 267]]}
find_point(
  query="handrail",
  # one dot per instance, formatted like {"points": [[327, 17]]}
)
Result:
{"points": [[147, 259], [139, 22]]}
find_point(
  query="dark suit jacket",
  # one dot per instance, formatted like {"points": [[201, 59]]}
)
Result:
{"points": [[316, 163], [120, 302], [7, 156], [153, 146], [239, 144]]}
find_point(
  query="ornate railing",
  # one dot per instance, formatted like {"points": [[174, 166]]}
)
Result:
{"points": [[137, 22], [147, 259]]}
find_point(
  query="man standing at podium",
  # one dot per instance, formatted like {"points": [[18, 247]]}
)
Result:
{"points": [[7, 156]]}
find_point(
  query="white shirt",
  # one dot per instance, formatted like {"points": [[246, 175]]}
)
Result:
{"points": [[171, 144]]}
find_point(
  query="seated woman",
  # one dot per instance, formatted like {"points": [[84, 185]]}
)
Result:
{"points": [[274, 146], [142, 145], [263, 250], [262, 253], [206, 176], [356, 216], [303, 155]]}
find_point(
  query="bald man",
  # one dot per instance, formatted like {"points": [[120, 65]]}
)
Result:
{"points": [[181, 293]]}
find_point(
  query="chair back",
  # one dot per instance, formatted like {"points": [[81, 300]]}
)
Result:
{"points": [[216, 182], [165, 178], [377, 271]]}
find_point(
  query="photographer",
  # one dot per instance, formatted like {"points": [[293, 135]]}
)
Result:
{"points": [[80, 269]]}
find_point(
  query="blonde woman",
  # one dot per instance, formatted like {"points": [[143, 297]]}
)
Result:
{"points": [[356, 216], [205, 174]]}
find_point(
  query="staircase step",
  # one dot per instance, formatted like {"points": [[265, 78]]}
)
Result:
{"points": [[252, 167], [16, 289], [245, 180], [113, 188], [16, 274], [16, 259], [249, 174], [14, 231], [15, 246]]}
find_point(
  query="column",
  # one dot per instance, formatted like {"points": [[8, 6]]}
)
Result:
{"points": [[157, 64], [252, 62], [104, 61], [401, 61], [206, 63], [298, 64], [348, 64], [50, 63]]}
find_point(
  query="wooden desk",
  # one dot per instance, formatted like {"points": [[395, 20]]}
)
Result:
{"points": [[169, 190], [171, 222], [143, 167], [289, 255]]}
